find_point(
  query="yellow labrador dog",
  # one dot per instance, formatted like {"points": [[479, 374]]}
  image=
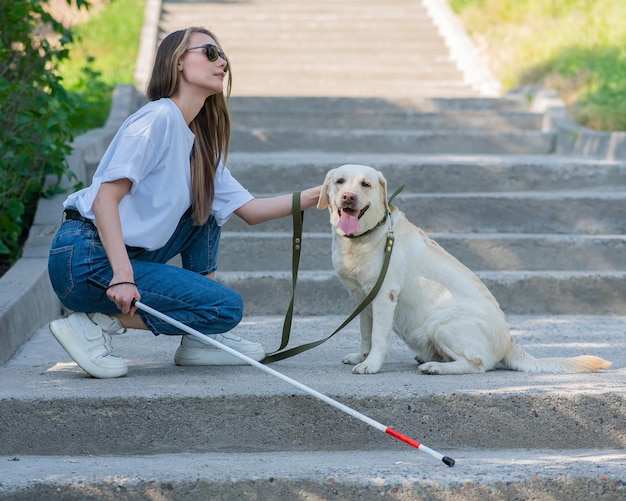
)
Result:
{"points": [[441, 310]]}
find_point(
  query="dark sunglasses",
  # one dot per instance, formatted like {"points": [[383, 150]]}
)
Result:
{"points": [[212, 52]]}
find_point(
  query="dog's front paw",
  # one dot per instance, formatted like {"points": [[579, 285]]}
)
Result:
{"points": [[367, 367], [432, 368], [354, 358]]}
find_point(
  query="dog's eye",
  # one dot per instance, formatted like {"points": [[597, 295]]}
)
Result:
{"points": [[365, 184], [340, 181]]}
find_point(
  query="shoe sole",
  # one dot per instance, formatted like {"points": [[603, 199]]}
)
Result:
{"points": [[213, 357], [59, 329]]}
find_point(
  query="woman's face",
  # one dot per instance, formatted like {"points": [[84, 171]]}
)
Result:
{"points": [[198, 71]]}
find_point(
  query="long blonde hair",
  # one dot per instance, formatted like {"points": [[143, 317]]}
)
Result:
{"points": [[211, 126]]}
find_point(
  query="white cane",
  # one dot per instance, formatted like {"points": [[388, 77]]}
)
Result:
{"points": [[337, 405]]}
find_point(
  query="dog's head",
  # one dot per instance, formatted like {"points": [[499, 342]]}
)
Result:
{"points": [[356, 197]]}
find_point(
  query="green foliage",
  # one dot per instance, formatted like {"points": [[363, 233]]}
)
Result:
{"points": [[593, 81], [34, 114], [91, 96], [102, 55], [460, 5], [577, 47]]}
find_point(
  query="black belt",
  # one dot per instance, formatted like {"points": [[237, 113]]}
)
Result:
{"points": [[77, 216]]}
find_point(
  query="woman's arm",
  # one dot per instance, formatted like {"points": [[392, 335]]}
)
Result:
{"points": [[106, 209], [260, 210]]}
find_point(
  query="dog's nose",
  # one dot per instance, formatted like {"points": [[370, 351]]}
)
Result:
{"points": [[348, 197]]}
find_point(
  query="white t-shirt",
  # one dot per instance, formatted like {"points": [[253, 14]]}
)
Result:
{"points": [[152, 149]]}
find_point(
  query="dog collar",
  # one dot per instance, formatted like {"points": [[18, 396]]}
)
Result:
{"points": [[380, 223]]}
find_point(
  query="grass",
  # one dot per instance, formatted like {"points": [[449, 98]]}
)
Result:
{"points": [[103, 54], [577, 47]]}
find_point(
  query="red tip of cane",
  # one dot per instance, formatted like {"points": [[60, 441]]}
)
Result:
{"points": [[404, 438]]}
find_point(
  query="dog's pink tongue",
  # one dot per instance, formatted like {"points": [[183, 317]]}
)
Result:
{"points": [[348, 223]]}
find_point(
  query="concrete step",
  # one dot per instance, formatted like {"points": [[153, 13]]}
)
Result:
{"points": [[452, 141], [271, 251], [316, 85], [328, 12], [285, 13], [400, 119], [350, 105], [518, 292], [140, 426], [303, 42], [572, 474], [415, 66], [49, 407], [375, 113], [573, 212], [285, 172]]}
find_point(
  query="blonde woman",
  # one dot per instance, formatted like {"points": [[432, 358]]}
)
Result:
{"points": [[161, 189]]}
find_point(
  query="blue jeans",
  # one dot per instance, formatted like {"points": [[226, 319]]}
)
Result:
{"points": [[80, 272]]}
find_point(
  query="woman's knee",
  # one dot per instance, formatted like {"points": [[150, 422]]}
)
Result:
{"points": [[221, 310], [233, 313]]}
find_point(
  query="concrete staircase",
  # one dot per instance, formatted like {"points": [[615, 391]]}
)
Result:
{"points": [[356, 48], [546, 232]]}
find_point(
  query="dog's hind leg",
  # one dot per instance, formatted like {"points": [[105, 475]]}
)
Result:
{"points": [[460, 366], [462, 349]]}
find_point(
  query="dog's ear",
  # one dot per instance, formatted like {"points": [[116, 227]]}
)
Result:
{"points": [[323, 200], [383, 188]]}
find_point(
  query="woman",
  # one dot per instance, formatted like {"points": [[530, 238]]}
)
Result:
{"points": [[161, 189]]}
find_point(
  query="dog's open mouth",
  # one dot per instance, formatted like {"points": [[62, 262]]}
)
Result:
{"points": [[349, 219]]}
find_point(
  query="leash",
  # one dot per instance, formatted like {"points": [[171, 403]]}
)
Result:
{"points": [[298, 217]]}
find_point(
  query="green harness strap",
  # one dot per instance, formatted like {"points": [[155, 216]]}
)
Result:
{"points": [[298, 217]]}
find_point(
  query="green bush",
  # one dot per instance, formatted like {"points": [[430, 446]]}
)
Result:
{"points": [[577, 47], [35, 130]]}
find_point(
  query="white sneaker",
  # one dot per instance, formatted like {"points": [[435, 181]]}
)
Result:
{"points": [[110, 325], [194, 352], [89, 346]]}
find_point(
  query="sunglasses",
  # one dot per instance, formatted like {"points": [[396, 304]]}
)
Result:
{"points": [[212, 52]]}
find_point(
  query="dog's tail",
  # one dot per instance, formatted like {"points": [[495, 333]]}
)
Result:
{"points": [[518, 360]]}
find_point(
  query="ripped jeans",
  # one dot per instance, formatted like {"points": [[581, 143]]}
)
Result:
{"points": [[80, 272]]}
